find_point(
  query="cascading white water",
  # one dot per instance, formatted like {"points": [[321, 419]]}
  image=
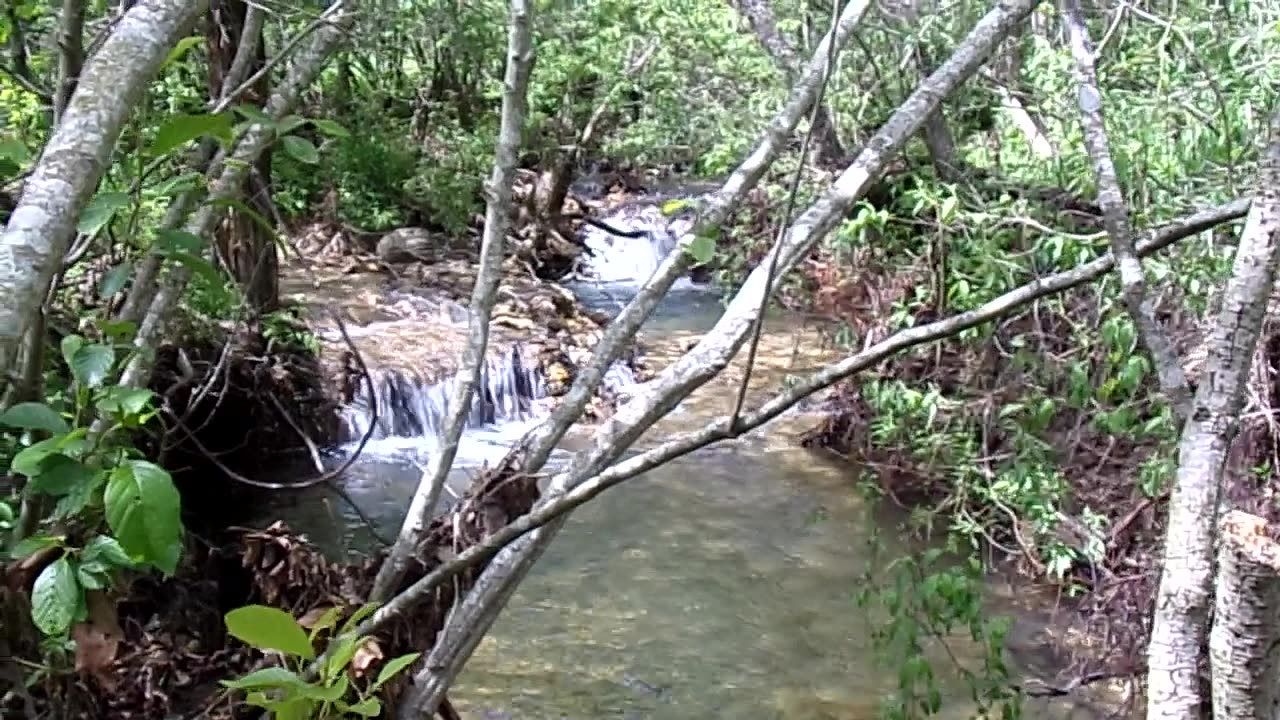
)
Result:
{"points": [[628, 260], [410, 407]]}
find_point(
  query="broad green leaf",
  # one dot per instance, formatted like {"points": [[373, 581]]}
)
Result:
{"points": [[34, 416], [272, 677], [359, 615], [60, 475], [330, 128], [34, 544], [671, 207], [143, 510], [702, 249], [91, 363], [179, 184], [114, 280], [369, 707], [326, 621], [178, 240], [268, 628], [395, 666], [255, 114], [182, 48], [124, 400], [296, 709], [70, 344], [6, 515], [93, 575], [182, 129], [79, 497], [328, 693], [100, 210], [55, 597], [289, 123], [342, 650], [300, 149], [29, 461], [106, 550]]}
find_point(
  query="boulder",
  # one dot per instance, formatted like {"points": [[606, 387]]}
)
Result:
{"points": [[406, 245]]}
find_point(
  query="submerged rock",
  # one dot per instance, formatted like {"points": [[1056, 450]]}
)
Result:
{"points": [[405, 245]]}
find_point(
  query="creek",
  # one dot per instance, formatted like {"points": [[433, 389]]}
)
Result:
{"points": [[721, 585]]}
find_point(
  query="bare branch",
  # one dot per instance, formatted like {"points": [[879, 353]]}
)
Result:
{"points": [[1115, 217], [713, 353], [70, 54], [515, 107], [721, 429]]}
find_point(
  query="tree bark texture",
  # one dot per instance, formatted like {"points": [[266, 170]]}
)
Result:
{"points": [[41, 227], [1180, 626], [712, 354], [1245, 668], [70, 54], [515, 108], [236, 51]]}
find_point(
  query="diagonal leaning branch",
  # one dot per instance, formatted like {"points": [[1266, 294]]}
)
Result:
{"points": [[1115, 217], [473, 618], [719, 429]]}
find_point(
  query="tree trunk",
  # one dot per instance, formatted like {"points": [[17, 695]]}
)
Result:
{"points": [[1246, 673], [236, 51], [41, 227], [760, 16], [70, 55], [1180, 626]]}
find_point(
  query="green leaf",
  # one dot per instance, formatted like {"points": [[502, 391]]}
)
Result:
{"points": [[330, 128], [671, 207], [182, 48], [124, 400], [200, 267], [289, 123], [28, 462], [113, 280], [330, 693], [702, 249], [55, 597], [178, 240], [100, 210], [106, 550], [395, 666], [59, 475], [358, 616], [182, 129], [342, 650], [179, 184], [93, 576], [34, 544], [90, 364], [268, 628], [272, 677], [6, 515], [70, 344], [34, 416], [255, 114], [300, 149], [143, 510], [119, 330], [369, 707], [79, 497]]}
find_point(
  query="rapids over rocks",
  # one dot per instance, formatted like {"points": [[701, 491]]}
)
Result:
{"points": [[721, 585]]}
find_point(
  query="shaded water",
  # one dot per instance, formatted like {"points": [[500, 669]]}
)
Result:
{"points": [[721, 585]]}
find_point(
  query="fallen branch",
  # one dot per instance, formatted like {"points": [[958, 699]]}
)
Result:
{"points": [[1115, 218]]}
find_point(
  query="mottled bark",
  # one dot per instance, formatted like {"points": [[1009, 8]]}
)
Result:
{"points": [[1180, 626], [1245, 669], [760, 17], [236, 50], [480, 608], [41, 227], [1115, 217], [515, 108]]}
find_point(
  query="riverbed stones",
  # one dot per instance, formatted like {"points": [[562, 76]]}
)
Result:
{"points": [[406, 245]]}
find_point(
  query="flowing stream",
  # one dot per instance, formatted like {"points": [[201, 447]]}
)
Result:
{"points": [[721, 585]]}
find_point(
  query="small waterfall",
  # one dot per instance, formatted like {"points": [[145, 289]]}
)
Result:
{"points": [[629, 260], [410, 407]]}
